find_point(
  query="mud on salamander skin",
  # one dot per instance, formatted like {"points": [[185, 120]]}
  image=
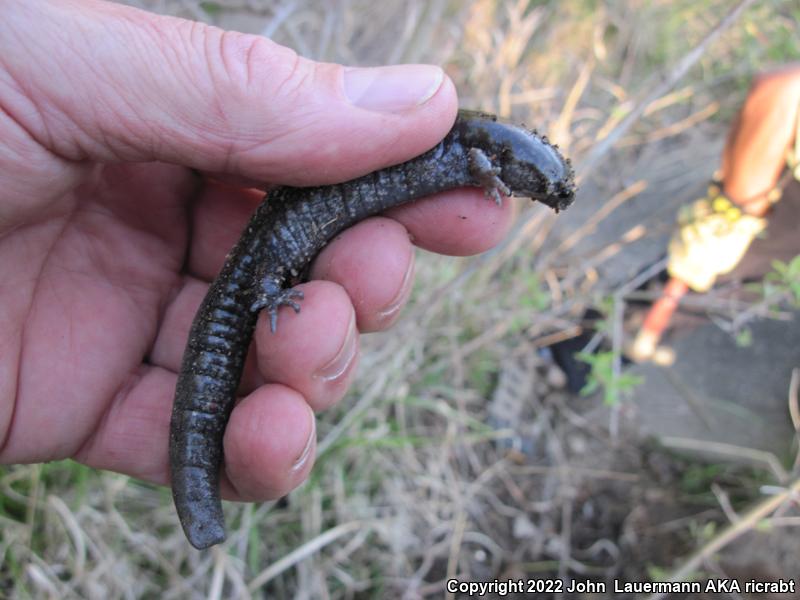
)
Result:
{"points": [[286, 232]]}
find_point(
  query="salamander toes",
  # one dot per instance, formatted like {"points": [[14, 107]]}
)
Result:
{"points": [[272, 300]]}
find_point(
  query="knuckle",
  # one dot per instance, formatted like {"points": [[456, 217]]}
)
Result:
{"points": [[254, 65], [254, 83]]}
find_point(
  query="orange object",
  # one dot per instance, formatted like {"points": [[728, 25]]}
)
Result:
{"points": [[657, 320]]}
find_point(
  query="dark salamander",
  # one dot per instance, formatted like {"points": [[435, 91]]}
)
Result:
{"points": [[286, 232]]}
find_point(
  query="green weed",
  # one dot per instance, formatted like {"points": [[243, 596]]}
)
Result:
{"points": [[602, 376], [783, 282]]}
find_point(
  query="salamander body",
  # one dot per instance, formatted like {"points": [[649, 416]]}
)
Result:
{"points": [[286, 232]]}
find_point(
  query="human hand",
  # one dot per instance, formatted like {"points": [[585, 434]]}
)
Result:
{"points": [[108, 239], [712, 237]]}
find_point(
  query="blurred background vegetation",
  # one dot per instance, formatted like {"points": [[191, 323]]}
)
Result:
{"points": [[460, 452]]}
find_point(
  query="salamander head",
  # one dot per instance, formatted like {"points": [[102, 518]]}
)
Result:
{"points": [[534, 168], [529, 165]]}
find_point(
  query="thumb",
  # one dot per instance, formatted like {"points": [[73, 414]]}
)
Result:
{"points": [[106, 82]]}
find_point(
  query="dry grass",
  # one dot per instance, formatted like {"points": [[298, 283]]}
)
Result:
{"points": [[417, 480]]}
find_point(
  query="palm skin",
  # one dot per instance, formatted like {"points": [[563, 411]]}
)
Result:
{"points": [[85, 292]]}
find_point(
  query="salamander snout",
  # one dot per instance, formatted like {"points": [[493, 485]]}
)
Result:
{"points": [[561, 193], [546, 177]]}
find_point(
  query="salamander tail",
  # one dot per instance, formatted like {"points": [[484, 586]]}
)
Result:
{"points": [[199, 508]]}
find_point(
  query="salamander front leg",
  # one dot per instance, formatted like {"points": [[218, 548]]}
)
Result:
{"points": [[487, 175], [271, 296]]}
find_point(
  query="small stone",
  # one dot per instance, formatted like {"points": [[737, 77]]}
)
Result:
{"points": [[523, 527], [556, 378]]}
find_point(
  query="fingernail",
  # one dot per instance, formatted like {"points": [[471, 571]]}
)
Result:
{"points": [[344, 358], [392, 89], [310, 443], [388, 314]]}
